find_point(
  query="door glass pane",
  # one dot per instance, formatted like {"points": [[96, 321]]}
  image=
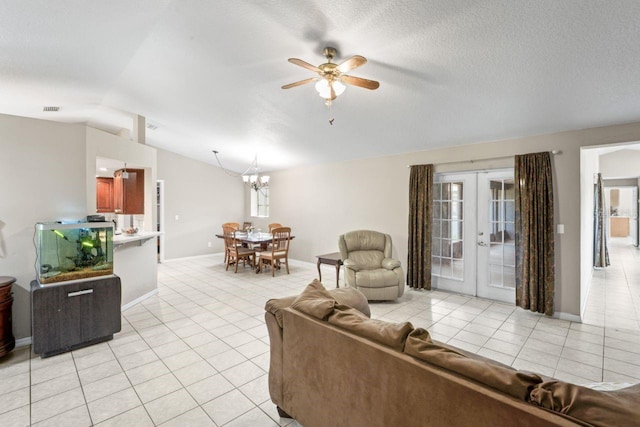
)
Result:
{"points": [[509, 277], [495, 275], [501, 227], [458, 269], [436, 229], [437, 210], [448, 230], [437, 191], [435, 265]]}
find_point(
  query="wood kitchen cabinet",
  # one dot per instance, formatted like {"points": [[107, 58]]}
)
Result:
{"points": [[104, 194], [128, 193], [68, 316]]}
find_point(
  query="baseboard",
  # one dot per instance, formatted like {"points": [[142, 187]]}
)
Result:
{"points": [[139, 300], [23, 342], [567, 316], [192, 257]]}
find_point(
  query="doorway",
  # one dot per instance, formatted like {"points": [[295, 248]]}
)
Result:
{"points": [[473, 245], [160, 216]]}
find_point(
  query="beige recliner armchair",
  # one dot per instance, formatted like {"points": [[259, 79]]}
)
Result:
{"points": [[366, 256]]}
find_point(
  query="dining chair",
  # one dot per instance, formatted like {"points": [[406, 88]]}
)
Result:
{"points": [[234, 250], [236, 226], [279, 250], [274, 225]]}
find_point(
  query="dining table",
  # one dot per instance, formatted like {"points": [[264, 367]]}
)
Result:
{"points": [[250, 239]]}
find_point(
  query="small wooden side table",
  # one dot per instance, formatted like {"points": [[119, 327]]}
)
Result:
{"points": [[7, 341], [330, 259]]}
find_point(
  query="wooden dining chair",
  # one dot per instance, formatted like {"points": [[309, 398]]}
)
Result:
{"points": [[236, 226], [279, 250], [274, 225], [235, 251]]}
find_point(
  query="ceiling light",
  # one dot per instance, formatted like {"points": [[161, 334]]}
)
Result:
{"points": [[324, 88], [251, 177]]}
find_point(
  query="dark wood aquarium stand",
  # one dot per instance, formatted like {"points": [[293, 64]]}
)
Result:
{"points": [[68, 316], [7, 341]]}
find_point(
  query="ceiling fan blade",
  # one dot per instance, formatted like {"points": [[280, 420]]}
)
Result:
{"points": [[359, 81], [352, 63], [305, 64], [300, 83]]}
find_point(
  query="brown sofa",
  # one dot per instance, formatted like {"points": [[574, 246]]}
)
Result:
{"points": [[331, 365]]}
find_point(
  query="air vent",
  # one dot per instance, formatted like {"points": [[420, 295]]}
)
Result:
{"points": [[50, 109], [151, 126]]}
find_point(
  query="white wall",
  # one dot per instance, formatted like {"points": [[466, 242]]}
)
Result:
{"points": [[42, 178], [203, 197], [321, 202], [589, 167], [620, 164]]}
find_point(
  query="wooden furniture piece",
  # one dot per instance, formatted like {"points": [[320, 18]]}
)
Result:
{"points": [[235, 226], [255, 238], [330, 259], [281, 237], [619, 226], [128, 193], [235, 251], [274, 225], [7, 340], [68, 316], [104, 194]]}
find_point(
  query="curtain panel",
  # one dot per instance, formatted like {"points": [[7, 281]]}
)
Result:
{"points": [[535, 264], [420, 224], [600, 250]]}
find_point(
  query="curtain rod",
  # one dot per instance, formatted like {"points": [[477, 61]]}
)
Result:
{"points": [[554, 152]]}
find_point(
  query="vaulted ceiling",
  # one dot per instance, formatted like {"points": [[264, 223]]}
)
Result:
{"points": [[208, 74]]}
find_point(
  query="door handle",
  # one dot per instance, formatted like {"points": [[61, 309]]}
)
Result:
{"points": [[78, 293], [482, 244]]}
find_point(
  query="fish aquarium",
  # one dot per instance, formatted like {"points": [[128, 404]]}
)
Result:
{"points": [[73, 251]]}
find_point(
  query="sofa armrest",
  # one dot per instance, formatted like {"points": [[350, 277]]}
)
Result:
{"points": [[390, 263]]}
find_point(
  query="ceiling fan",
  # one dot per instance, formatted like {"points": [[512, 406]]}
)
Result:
{"points": [[331, 78]]}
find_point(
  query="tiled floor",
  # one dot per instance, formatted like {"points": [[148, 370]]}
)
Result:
{"points": [[197, 353]]}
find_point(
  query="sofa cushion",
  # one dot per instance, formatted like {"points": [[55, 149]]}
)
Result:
{"points": [[346, 296], [366, 260], [353, 298], [390, 334], [505, 379], [377, 278], [315, 301], [598, 408]]}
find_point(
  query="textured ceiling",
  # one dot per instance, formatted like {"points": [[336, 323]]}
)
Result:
{"points": [[208, 73]]}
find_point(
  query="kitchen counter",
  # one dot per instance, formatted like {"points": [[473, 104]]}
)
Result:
{"points": [[121, 239]]}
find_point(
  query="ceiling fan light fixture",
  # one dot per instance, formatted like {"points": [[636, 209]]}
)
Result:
{"points": [[323, 86]]}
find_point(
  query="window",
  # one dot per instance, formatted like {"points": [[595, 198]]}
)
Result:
{"points": [[260, 202]]}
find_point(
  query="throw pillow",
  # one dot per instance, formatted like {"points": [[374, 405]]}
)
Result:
{"points": [[315, 301]]}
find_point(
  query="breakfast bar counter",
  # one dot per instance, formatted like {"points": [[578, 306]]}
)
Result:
{"points": [[136, 262]]}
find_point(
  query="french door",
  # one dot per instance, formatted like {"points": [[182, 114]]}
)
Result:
{"points": [[473, 246]]}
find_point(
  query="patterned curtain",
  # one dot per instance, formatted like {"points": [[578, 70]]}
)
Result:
{"points": [[420, 220], [600, 250], [535, 267]]}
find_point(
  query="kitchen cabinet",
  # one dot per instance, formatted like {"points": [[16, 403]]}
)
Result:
{"points": [[68, 316], [128, 191], [619, 226], [104, 194]]}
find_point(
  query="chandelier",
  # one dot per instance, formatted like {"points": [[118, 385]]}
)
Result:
{"points": [[250, 176]]}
